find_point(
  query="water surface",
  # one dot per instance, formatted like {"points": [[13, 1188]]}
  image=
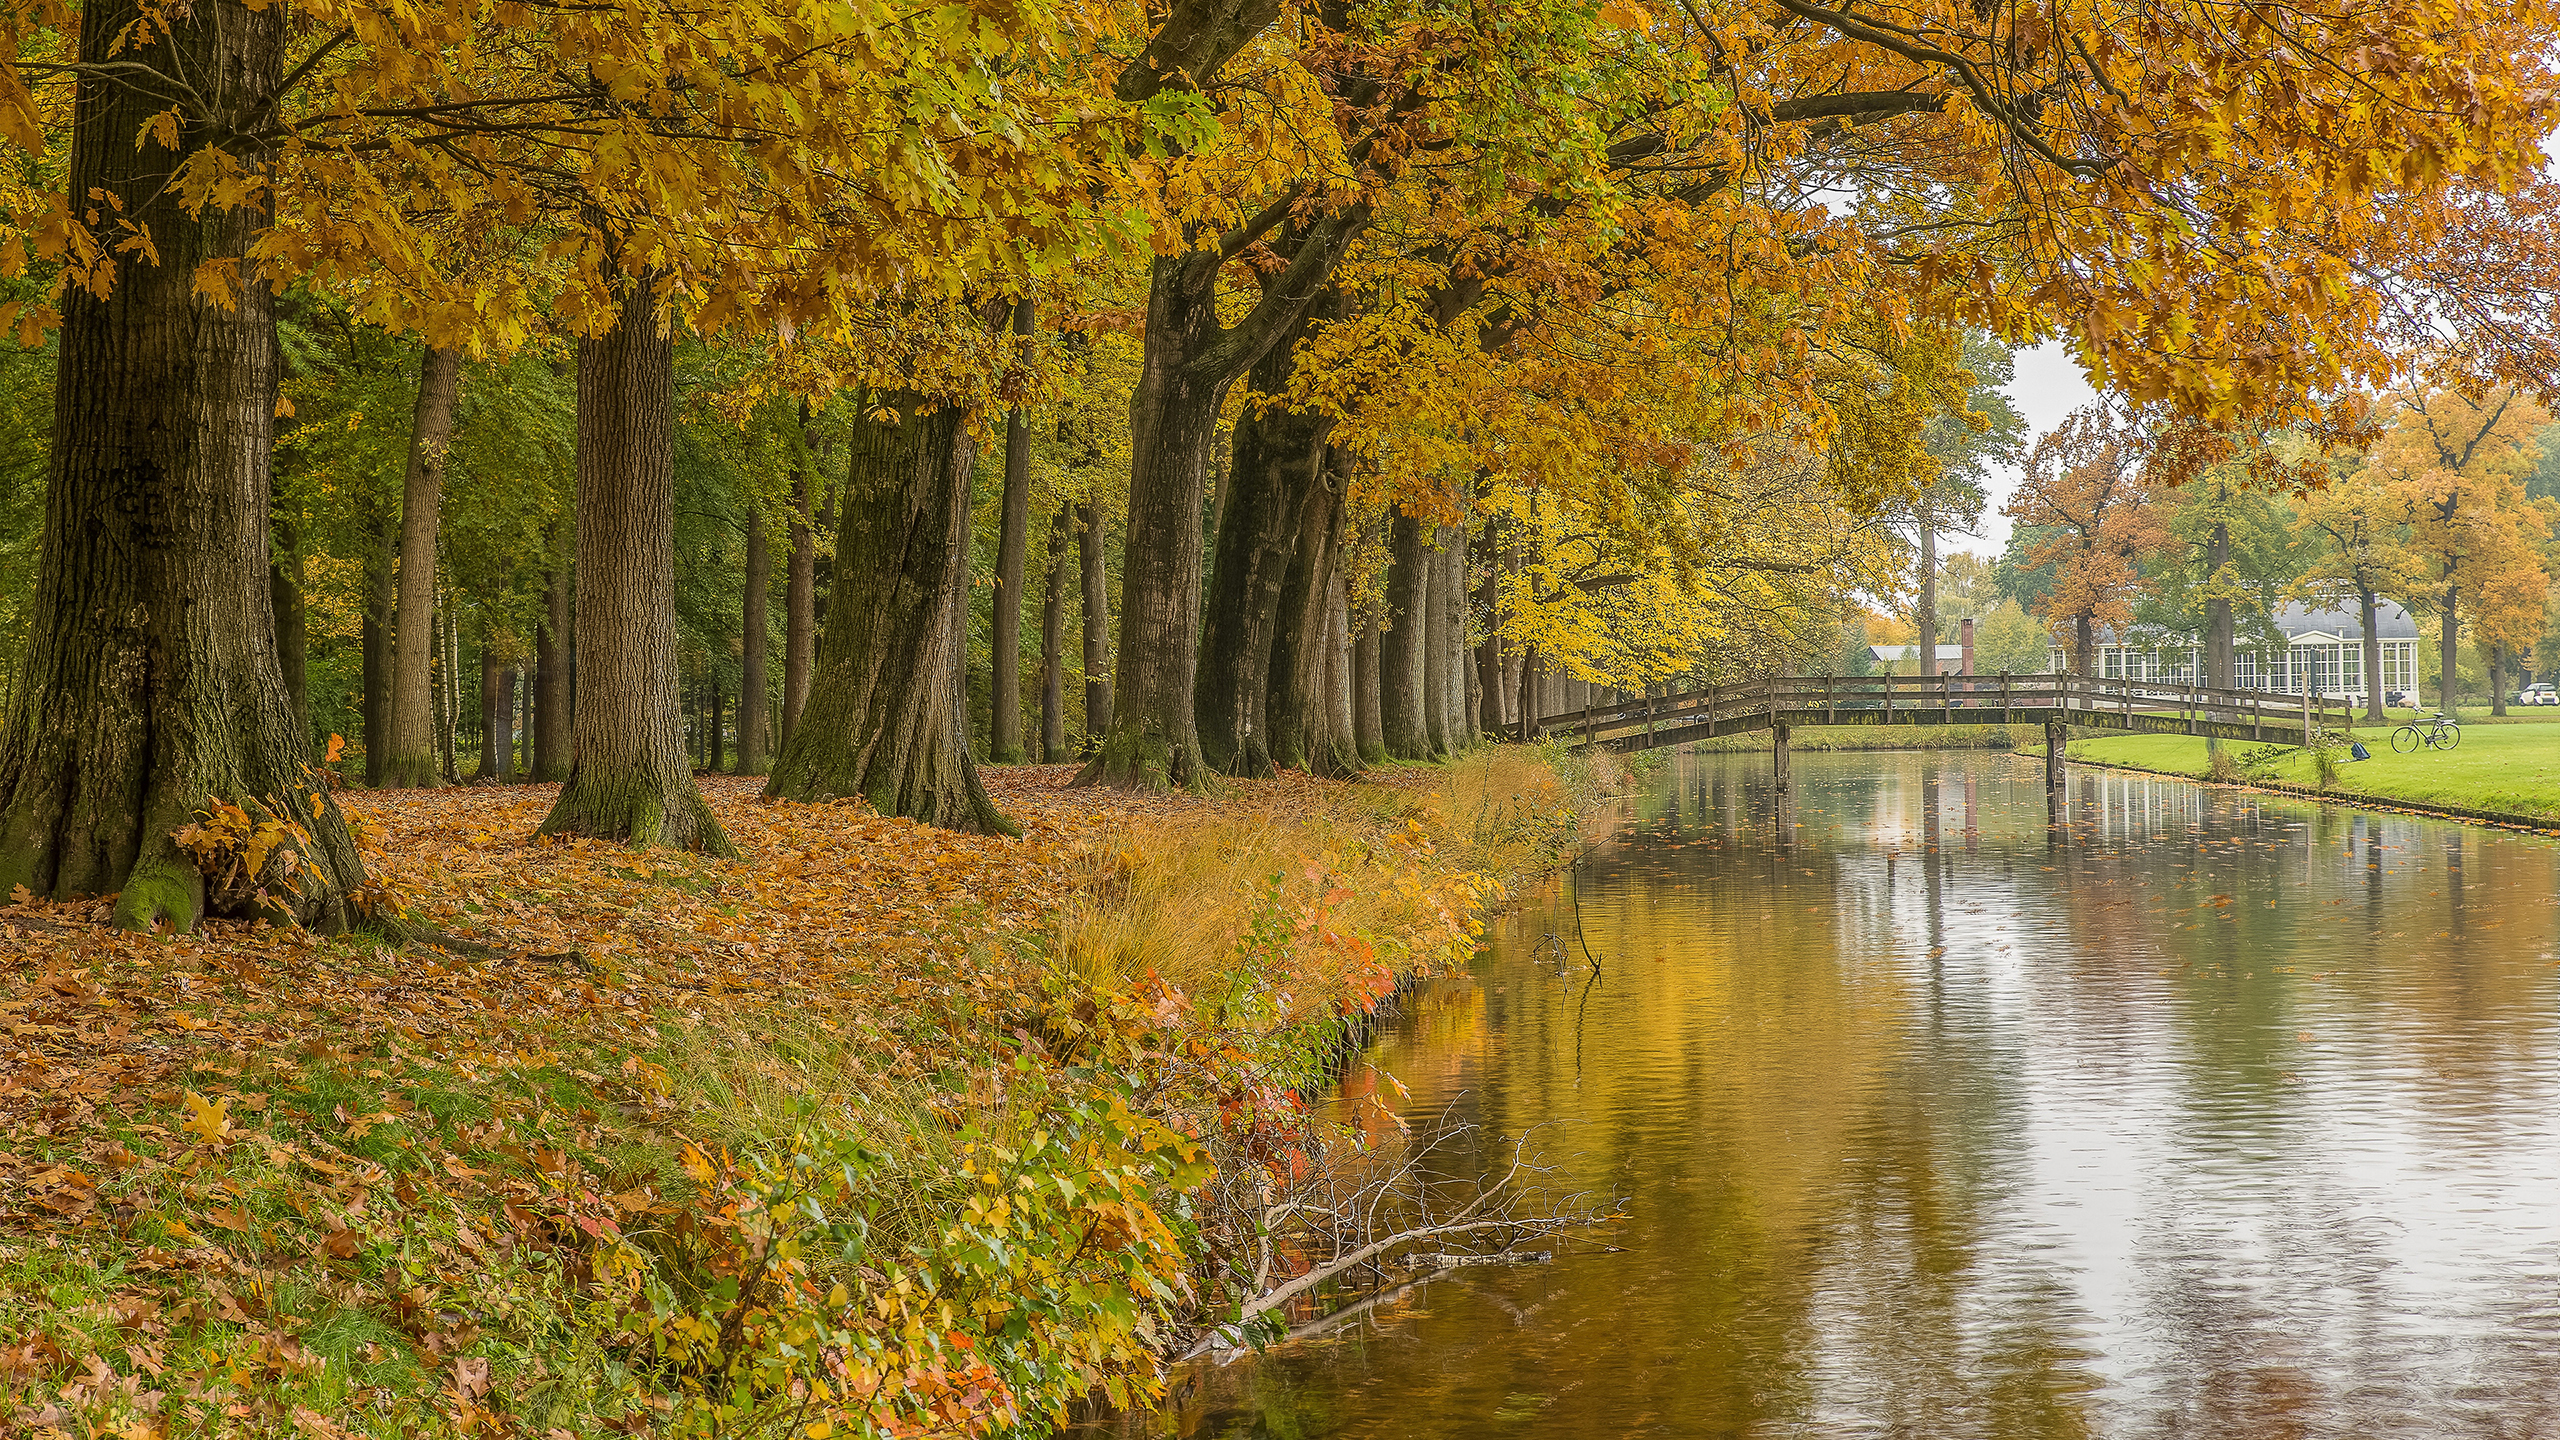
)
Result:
{"points": [[2203, 1114]]}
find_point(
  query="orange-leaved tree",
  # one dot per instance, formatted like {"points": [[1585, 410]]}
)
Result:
{"points": [[2088, 488]]}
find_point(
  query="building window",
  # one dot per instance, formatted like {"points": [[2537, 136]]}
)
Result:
{"points": [[2244, 669]]}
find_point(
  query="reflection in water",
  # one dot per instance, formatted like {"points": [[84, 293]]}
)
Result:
{"points": [[2196, 1114]]}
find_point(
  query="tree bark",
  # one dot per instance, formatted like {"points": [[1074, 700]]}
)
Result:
{"points": [[1449, 598], [497, 711], [1494, 716], [799, 598], [1928, 616], [411, 759], [1294, 659], [1190, 361], [1053, 621], [284, 596], [753, 748], [1367, 722], [1403, 658], [442, 680], [1270, 489], [381, 594], [628, 779], [1338, 754], [151, 690], [1097, 627], [887, 717], [2449, 642], [1013, 544], [2084, 642], [2498, 679], [1438, 655], [2366, 604], [711, 736], [2221, 635], [551, 709]]}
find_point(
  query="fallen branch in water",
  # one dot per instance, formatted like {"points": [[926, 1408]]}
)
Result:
{"points": [[1344, 1216]]}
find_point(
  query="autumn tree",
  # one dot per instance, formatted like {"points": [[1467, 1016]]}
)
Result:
{"points": [[2085, 487], [2353, 541], [2457, 465]]}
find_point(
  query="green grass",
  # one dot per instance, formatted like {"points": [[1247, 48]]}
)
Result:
{"points": [[2509, 767]]}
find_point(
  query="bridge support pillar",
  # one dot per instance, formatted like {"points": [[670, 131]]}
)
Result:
{"points": [[2056, 735], [1778, 731]]}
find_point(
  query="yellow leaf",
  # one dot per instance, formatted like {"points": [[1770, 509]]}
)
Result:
{"points": [[284, 406], [215, 281], [210, 1119]]}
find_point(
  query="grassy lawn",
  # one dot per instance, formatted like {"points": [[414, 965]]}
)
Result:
{"points": [[2511, 767]]}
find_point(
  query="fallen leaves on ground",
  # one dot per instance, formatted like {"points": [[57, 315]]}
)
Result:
{"points": [[341, 1178]]}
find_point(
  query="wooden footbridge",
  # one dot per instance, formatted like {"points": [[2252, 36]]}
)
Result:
{"points": [[1780, 703]]}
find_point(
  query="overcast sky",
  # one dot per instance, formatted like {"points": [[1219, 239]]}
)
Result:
{"points": [[2048, 386]]}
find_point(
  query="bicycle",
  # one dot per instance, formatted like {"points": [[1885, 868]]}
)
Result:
{"points": [[2439, 733]]}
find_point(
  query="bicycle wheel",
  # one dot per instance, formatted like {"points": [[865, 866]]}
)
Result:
{"points": [[2404, 739], [2448, 737]]}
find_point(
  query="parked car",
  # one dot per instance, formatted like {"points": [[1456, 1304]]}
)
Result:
{"points": [[2541, 694]]}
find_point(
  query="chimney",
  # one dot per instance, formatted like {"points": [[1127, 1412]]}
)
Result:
{"points": [[1964, 634]]}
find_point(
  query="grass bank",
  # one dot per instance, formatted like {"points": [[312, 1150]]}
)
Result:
{"points": [[2503, 769], [878, 1130], [1881, 737]]}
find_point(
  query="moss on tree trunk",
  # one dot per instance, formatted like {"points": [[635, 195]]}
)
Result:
{"points": [[152, 693], [628, 779], [886, 718]]}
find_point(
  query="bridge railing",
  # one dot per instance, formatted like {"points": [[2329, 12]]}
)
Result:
{"points": [[1869, 699]]}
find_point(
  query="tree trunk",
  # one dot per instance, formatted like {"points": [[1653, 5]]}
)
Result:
{"points": [[1927, 649], [1097, 627], [1337, 747], [1053, 625], [1403, 657], [1153, 742], [1291, 711], [380, 582], [888, 719], [284, 596], [1438, 654], [520, 680], [1494, 716], [411, 759], [799, 600], [627, 774], [1368, 726], [1271, 486], [711, 736], [2366, 604], [1013, 545], [1190, 361], [2084, 641], [497, 712], [2221, 634], [1529, 713], [2449, 643], [551, 723], [2498, 679], [441, 680], [1450, 595], [752, 684], [151, 690]]}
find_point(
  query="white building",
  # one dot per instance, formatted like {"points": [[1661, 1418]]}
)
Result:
{"points": [[2324, 651]]}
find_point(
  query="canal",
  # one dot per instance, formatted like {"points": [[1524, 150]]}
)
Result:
{"points": [[2200, 1114]]}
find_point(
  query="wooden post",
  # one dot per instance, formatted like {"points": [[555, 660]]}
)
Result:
{"points": [[1779, 728], [2055, 733], [2310, 727]]}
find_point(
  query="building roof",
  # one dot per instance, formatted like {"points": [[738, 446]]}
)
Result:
{"points": [[2390, 622], [1904, 652]]}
